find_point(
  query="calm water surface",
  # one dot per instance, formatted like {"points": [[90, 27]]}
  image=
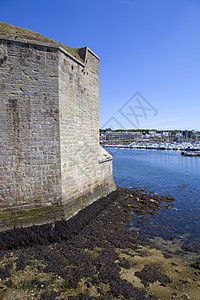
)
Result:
{"points": [[165, 173]]}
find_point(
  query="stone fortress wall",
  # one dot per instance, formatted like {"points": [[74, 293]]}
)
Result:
{"points": [[51, 164]]}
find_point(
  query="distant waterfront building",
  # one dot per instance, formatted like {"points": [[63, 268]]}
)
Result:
{"points": [[146, 136], [123, 136], [165, 134], [197, 137], [179, 135], [158, 135]]}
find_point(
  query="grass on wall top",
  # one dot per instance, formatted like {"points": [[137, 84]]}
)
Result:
{"points": [[13, 31]]}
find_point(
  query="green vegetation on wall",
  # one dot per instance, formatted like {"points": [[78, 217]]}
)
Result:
{"points": [[14, 31]]}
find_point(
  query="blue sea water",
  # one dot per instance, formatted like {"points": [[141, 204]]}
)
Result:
{"points": [[164, 173]]}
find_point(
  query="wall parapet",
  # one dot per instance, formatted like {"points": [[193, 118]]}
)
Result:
{"points": [[48, 45]]}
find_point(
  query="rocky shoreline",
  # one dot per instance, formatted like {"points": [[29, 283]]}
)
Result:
{"points": [[94, 256]]}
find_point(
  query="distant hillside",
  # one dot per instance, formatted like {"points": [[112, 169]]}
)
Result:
{"points": [[12, 31]]}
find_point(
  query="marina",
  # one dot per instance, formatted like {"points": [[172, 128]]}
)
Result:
{"points": [[185, 146]]}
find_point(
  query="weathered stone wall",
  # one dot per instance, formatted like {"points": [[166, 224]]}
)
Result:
{"points": [[29, 114], [50, 154], [82, 172]]}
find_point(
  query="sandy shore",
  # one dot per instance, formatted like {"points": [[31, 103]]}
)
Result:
{"points": [[94, 256]]}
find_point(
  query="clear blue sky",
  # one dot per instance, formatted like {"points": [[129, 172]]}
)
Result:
{"points": [[149, 46]]}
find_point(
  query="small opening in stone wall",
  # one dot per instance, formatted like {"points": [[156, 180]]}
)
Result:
{"points": [[4, 58], [72, 67], [83, 70]]}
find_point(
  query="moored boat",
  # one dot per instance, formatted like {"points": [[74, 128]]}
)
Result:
{"points": [[186, 153]]}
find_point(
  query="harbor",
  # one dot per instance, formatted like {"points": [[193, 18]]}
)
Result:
{"points": [[157, 146], [164, 173]]}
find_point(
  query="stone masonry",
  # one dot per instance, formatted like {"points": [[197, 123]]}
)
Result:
{"points": [[51, 164]]}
